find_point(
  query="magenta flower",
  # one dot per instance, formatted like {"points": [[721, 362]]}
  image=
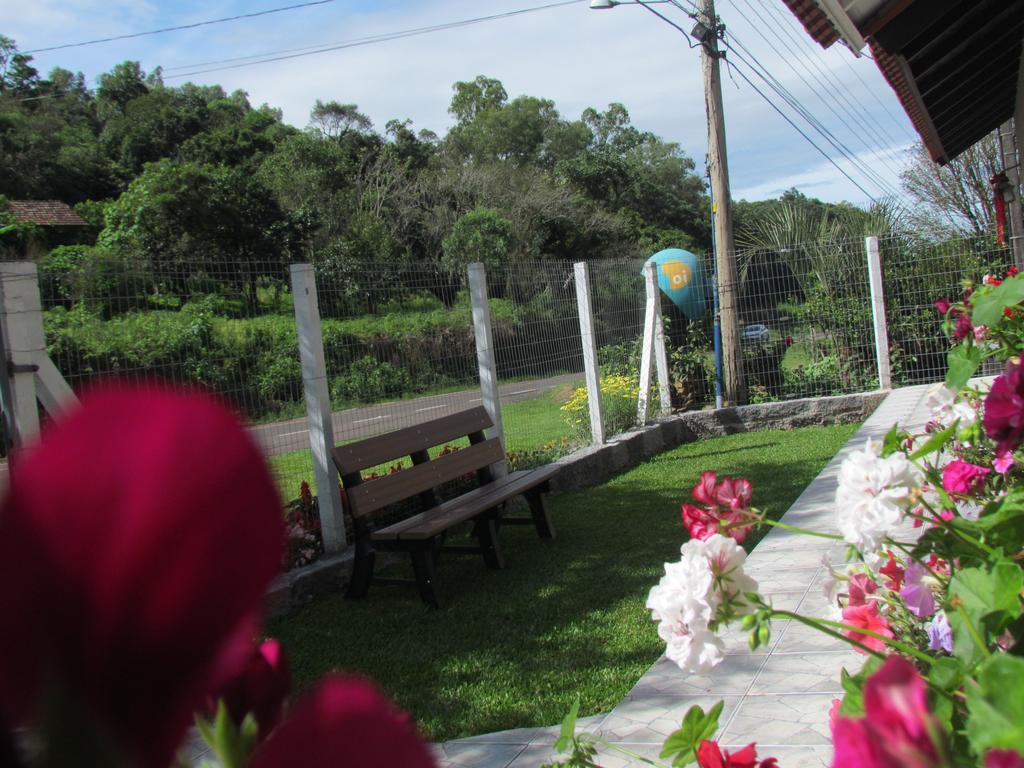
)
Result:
{"points": [[260, 687], [963, 478], [344, 721], [963, 328], [726, 508], [942, 305], [1003, 758], [897, 730], [1004, 409], [137, 541], [917, 596], [859, 588], [701, 523]]}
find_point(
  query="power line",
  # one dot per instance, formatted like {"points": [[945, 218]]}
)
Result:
{"points": [[761, 71], [180, 27], [273, 56], [733, 68]]}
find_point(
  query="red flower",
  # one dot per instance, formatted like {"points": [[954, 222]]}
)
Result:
{"points": [[1004, 409], [345, 721], [726, 507], [866, 617], [710, 755], [1011, 271], [963, 328], [136, 544], [1008, 312], [893, 572], [701, 523], [260, 688], [942, 305], [898, 729], [860, 586]]}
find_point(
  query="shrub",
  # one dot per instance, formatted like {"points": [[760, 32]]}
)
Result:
{"points": [[369, 380], [618, 407]]}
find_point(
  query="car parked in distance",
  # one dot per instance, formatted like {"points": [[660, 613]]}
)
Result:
{"points": [[755, 332]]}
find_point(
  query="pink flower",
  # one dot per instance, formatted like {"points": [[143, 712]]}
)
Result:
{"points": [[942, 305], [859, 587], [1003, 462], [704, 490], [345, 721], [866, 617], [734, 493], [136, 545], [979, 332], [916, 595], [1003, 758], [897, 730], [710, 755], [1004, 409], [962, 478], [833, 713], [260, 687]]}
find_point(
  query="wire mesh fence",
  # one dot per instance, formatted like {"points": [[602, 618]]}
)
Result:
{"points": [[400, 346]]}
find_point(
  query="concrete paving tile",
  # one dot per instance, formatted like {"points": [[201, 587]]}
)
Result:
{"points": [[651, 719], [800, 719], [478, 755], [803, 673], [733, 675], [521, 736], [791, 580]]}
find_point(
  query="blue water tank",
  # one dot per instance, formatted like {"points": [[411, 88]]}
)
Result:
{"points": [[681, 278]]}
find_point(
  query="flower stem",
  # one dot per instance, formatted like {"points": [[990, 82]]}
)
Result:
{"points": [[973, 631], [795, 529]]}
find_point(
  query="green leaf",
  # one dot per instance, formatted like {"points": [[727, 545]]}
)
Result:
{"points": [[935, 442], [892, 441], [995, 706], [986, 601], [682, 745], [963, 361], [568, 730], [946, 672], [989, 305], [853, 685]]}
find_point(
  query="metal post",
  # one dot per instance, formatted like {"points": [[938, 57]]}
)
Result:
{"points": [[485, 359], [1007, 138], [582, 271], [318, 405], [717, 336], [878, 312], [718, 170]]}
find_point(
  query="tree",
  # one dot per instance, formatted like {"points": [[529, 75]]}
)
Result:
{"points": [[334, 119], [482, 235], [955, 198]]}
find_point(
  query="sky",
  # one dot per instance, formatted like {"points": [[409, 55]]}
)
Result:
{"points": [[573, 55]]}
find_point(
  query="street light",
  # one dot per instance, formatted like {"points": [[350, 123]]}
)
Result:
{"points": [[707, 31]]}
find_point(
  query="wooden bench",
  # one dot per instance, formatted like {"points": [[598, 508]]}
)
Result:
{"points": [[423, 534]]}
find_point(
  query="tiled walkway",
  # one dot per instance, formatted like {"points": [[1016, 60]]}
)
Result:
{"points": [[778, 697]]}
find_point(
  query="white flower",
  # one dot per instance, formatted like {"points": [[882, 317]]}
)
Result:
{"points": [[709, 574], [696, 651], [873, 495], [946, 408]]}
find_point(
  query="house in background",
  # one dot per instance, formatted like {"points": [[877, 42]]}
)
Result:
{"points": [[56, 222], [957, 69]]}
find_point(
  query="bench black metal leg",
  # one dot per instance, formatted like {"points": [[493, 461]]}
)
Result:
{"points": [[362, 571], [423, 566], [487, 533], [541, 518]]}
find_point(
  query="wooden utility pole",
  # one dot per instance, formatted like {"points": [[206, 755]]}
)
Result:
{"points": [[1007, 136], [707, 31]]}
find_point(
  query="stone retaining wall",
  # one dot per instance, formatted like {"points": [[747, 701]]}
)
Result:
{"points": [[596, 464]]}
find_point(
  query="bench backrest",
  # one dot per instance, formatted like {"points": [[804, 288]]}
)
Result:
{"points": [[370, 497]]}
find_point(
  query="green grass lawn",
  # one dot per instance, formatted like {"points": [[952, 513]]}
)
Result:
{"points": [[529, 425], [513, 648]]}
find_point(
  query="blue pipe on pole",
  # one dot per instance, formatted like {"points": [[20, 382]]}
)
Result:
{"points": [[717, 335]]}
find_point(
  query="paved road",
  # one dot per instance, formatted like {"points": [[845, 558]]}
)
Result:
{"points": [[285, 436]]}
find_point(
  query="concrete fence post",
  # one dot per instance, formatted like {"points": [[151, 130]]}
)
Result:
{"points": [[485, 359], [593, 374], [318, 405], [32, 376], [878, 312], [653, 349]]}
